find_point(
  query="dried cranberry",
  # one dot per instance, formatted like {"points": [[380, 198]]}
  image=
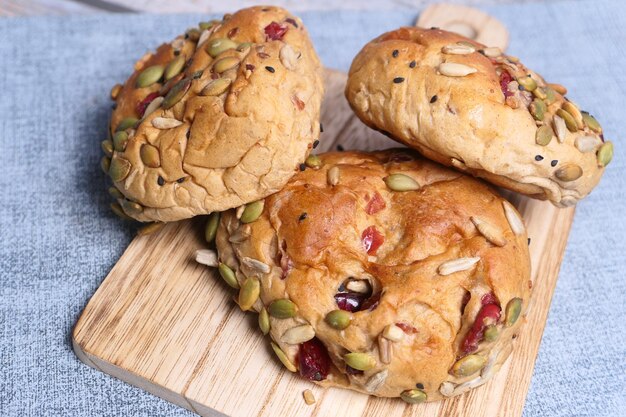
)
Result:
{"points": [[375, 204], [488, 314], [407, 328], [313, 360], [372, 239], [351, 371], [350, 301], [489, 298], [371, 303], [275, 31], [400, 157], [505, 79], [143, 104]]}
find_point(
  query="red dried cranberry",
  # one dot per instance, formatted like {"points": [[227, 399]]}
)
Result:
{"points": [[275, 31], [466, 298], [371, 303], [350, 301], [143, 104], [351, 371], [407, 328], [313, 360], [375, 204], [489, 298], [488, 314], [372, 239], [505, 79], [400, 157]]}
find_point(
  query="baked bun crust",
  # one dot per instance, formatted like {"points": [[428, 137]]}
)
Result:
{"points": [[232, 110], [339, 238], [460, 104]]}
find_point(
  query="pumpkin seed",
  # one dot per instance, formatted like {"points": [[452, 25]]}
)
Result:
{"points": [[228, 275], [491, 333], [105, 164], [249, 293], [150, 156], [252, 211], [216, 87], [207, 257], [120, 139], [264, 321], [176, 94], [165, 122], [217, 46], [538, 109], [131, 207], [107, 147], [414, 396], [208, 25], [605, 154], [255, 264], [490, 232], [333, 176], [568, 119], [174, 67], [313, 161], [126, 123], [513, 217], [452, 69], [243, 46], [119, 169], [401, 182], [149, 76], [117, 209], [385, 350], [587, 143], [393, 333], [154, 104], [359, 361], [115, 193], [115, 91], [513, 310], [492, 52], [224, 64], [338, 319], [376, 381], [592, 123], [458, 49], [282, 309], [468, 365], [569, 172], [298, 334], [527, 82], [544, 135], [550, 96], [572, 109], [558, 88], [560, 128], [457, 265], [283, 357], [309, 398], [210, 230], [192, 34], [540, 93]]}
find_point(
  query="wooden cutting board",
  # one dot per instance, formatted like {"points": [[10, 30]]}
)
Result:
{"points": [[168, 325]]}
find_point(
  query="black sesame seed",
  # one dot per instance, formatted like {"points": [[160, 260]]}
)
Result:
{"points": [[160, 181], [315, 143], [302, 217], [412, 64], [321, 128], [419, 385], [434, 28], [554, 162], [538, 158], [180, 180], [395, 53], [528, 241], [270, 69], [433, 99], [186, 36], [398, 80], [176, 52], [188, 133], [340, 148], [302, 167], [114, 106]]}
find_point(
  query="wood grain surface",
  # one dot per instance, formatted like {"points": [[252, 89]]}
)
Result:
{"points": [[168, 325]]}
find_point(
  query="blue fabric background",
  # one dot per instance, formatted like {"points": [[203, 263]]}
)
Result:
{"points": [[59, 239]]}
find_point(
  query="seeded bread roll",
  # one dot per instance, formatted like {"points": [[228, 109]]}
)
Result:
{"points": [[480, 111], [219, 117], [382, 272]]}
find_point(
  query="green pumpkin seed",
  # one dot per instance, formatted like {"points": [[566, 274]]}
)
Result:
{"points": [[243, 46], [149, 76], [217, 46], [228, 275], [249, 293], [513, 310], [119, 169], [115, 193], [126, 123], [338, 319], [491, 333], [105, 164], [210, 230], [313, 161], [571, 108], [283, 357], [193, 34], [107, 147], [528, 83], [468, 365], [252, 211], [174, 67], [150, 156], [605, 154], [414, 396], [359, 361], [117, 209], [224, 64], [264, 321], [132, 207], [282, 309], [544, 135], [216, 87], [120, 139], [537, 109], [550, 96], [176, 94], [540, 93], [569, 172], [401, 182], [568, 119], [208, 25], [150, 228], [592, 123]]}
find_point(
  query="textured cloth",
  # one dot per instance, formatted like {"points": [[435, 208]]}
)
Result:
{"points": [[59, 238]]}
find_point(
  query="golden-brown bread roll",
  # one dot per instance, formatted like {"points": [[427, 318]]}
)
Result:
{"points": [[480, 111], [382, 272], [219, 117]]}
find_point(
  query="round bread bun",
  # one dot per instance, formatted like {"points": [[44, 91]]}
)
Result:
{"points": [[221, 116], [484, 113], [433, 265]]}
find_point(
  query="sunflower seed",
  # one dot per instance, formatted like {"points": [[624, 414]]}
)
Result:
{"points": [[149, 76], [228, 275], [210, 230], [560, 128], [385, 349], [393, 333], [154, 104], [401, 182], [572, 109], [414, 396], [119, 169], [452, 69], [492, 52], [513, 310], [376, 381], [458, 49], [241, 234], [333, 176], [239, 211], [216, 87], [358, 285], [252, 211], [490, 232], [466, 386], [264, 321], [359, 361], [256, 265], [283, 357], [468, 365], [165, 122], [513, 217], [207, 257], [587, 143], [447, 389], [249, 293], [289, 57], [605, 154], [569, 172], [298, 334], [309, 398], [204, 35], [457, 265]]}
